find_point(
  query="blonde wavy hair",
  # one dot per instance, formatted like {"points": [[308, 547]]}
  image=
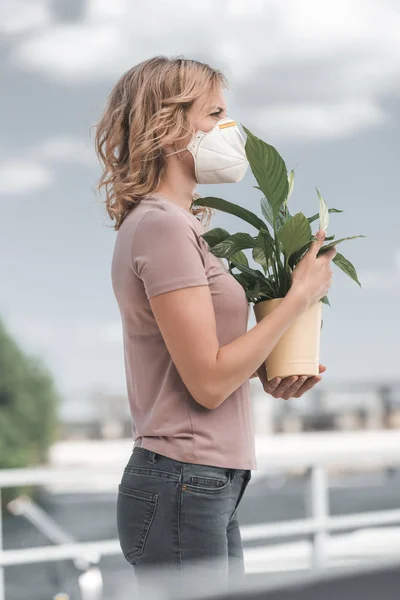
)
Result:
{"points": [[146, 109]]}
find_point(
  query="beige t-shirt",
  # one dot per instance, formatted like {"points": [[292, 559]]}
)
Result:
{"points": [[158, 248]]}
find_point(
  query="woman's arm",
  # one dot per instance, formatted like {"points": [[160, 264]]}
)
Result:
{"points": [[211, 373], [167, 257]]}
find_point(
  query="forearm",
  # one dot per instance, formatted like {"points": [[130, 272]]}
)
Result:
{"points": [[239, 360]]}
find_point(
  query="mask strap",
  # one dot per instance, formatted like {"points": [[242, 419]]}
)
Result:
{"points": [[176, 152], [183, 149]]}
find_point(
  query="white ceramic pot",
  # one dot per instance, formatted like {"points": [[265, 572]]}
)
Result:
{"points": [[297, 352]]}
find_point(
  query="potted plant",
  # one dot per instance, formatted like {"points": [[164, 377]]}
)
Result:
{"points": [[280, 242]]}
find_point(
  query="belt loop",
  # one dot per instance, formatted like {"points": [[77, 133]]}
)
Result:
{"points": [[233, 473], [152, 457]]}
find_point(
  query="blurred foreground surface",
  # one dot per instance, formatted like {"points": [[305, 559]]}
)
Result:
{"points": [[89, 514]]}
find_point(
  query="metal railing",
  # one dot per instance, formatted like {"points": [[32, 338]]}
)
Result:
{"points": [[317, 525]]}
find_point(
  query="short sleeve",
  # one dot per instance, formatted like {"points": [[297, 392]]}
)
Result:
{"points": [[166, 254]]}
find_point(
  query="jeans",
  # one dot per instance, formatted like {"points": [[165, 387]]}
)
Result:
{"points": [[179, 521]]}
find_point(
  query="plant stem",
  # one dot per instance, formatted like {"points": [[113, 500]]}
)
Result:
{"points": [[278, 259], [275, 271]]}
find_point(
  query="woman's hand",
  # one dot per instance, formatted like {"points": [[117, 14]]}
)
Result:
{"points": [[288, 387], [312, 276]]}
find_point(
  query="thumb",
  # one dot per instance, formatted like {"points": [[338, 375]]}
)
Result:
{"points": [[316, 245]]}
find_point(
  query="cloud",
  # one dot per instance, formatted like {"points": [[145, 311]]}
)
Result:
{"points": [[22, 16], [32, 172], [382, 279], [64, 149], [256, 34], [73, 53], [78, 351], [379, 280], [24, 176], [306, 69], [111, 332], [317, 120], [47, 332]]}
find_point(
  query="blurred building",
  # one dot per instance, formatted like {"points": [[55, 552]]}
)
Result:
{"points": [[103, 414]]}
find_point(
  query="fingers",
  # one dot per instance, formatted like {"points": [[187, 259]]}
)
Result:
{"points": [[308, 384], [332, 252], [329, 254], [270, 386], [316, 245], [278, 387], [294, 388], [285, 386]]}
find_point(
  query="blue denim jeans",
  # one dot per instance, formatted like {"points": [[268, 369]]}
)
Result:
{"points": [[180, 519]]}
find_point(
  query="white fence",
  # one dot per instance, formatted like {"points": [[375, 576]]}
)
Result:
{"points": [[379, 451]]}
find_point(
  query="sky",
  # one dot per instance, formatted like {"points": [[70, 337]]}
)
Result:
{"points": [[318, 81]]}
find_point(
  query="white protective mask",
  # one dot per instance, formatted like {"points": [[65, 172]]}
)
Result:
{"points": [[219, 154]]}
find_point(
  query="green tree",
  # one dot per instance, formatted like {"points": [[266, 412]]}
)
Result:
{"points": [[28, 410]]}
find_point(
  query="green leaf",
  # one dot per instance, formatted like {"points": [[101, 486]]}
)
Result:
{"points": [[232, 209], [316, 216], [268, 213], [267, 244], [240, 257], [325, 300], [215, 236], [253, 272], [266, 285], [259, 257], [334, 243], [294, 234], [255, 292], [264, 251], [269, 169], [266, 209], [234, 243], [346, 266], [298, 255], [323, 213]]}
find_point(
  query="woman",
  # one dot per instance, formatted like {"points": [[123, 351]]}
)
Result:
{"points": [[188, 354]]}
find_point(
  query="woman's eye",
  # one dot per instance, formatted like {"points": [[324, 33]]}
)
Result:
{"points": [[216, 114]]}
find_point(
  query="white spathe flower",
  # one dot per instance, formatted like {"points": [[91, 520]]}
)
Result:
{"points": [[323, 213]]}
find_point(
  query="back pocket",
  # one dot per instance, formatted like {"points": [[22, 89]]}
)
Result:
{"points": [[135, 514]]}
